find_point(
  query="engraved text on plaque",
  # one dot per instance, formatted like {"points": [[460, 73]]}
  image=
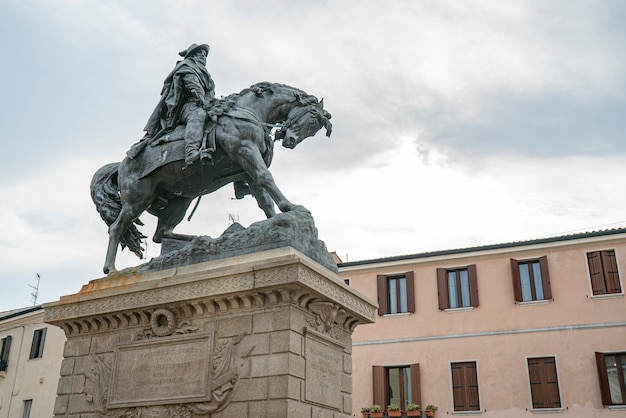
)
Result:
{"points": [[161, 371]]}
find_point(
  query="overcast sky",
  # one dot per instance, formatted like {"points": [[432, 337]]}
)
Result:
{"points": [[455, 123]]}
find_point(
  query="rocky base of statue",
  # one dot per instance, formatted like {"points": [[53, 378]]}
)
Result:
{"points": [[294, 229], [266, 334]]}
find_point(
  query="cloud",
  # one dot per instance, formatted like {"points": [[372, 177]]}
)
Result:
{"points": [[454, 123]]}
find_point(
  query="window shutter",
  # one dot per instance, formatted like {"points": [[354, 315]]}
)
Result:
{"points": [[603, 378], [458, 389], [416, 388], [473, 284], [380, 385], [552, 383], [544, 385], [4, 355], [517, 287], [545, 277], [442, 289], [465, 386], [410, 291], [534, 378], [34, 347], [471, 379], [42, 342], [609, 264], [383, 304], [595, 271], [6, 347]]}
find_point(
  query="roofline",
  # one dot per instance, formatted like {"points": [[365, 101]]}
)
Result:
{"points": [[488, 247], [21, 312]]}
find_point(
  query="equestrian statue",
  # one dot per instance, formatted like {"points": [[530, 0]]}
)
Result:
{"points": [[196, 144]]}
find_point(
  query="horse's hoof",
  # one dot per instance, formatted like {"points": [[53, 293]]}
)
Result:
{"points": [[300, 208], [107, 270]]}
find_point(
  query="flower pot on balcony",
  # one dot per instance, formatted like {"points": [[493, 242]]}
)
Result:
{"points": [[394, 414], [413, 413], [430, 413]]}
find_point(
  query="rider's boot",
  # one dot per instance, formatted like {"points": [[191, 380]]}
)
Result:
{"points": [[192, 154], [193, 141]]}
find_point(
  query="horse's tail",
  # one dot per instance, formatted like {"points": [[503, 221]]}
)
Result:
{"points": [[106, 196]]}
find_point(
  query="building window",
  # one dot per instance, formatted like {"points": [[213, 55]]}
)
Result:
{"points": [[397, 385], [603, 272], [531, 280], [544, 383], [28, 405], [4, 354], [612, 375], [458, 288], [396, 293], [465, 396], [36, 348]]}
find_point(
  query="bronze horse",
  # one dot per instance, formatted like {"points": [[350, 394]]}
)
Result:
{"points": [[244, 151]]}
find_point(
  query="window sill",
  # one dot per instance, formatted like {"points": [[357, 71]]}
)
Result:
{"points": [[534, 302], [546, 410], [479, 412], [607, 296], [617, 407], [455, 310], [396, 315]]}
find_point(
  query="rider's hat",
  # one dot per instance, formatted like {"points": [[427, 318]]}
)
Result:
{"points": [[193, 48]]}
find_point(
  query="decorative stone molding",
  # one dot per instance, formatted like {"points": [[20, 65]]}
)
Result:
{"points": [[210, 292], [329, 319], [313, 297]]}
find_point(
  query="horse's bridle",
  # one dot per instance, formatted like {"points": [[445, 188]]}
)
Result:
{"points": [[280, 129]]}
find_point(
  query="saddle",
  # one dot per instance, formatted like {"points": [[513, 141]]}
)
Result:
{"points": [[166, 146]]}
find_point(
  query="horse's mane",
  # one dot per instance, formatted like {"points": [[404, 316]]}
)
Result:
{"points": [[264, 88]]}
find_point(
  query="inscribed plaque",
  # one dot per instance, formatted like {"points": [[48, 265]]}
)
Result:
{"points": [[162, 371], [323, 372]]}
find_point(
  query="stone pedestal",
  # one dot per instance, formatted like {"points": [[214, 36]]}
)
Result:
{"points": [[266, 334]]}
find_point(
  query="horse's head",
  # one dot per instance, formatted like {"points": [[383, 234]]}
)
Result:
{"points": [[304, 122]]}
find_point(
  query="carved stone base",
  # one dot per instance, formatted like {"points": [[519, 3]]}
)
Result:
{"points": [[266, 334]]}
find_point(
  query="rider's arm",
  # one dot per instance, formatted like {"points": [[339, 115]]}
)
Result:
{"points": [[196, 91]]}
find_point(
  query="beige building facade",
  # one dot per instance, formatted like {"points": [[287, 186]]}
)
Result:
{"points": [[505, 330], [30, 360]]}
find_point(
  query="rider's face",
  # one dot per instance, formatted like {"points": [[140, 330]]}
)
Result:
{"points": [[201, 56]]}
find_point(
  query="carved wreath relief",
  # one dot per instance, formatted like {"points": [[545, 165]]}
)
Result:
{"points": [[154, 391]]}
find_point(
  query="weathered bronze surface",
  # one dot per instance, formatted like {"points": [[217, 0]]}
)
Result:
{"points": [[162, 173]]}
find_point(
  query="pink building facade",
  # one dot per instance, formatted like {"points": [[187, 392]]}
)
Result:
{"points": [[510, 330]]}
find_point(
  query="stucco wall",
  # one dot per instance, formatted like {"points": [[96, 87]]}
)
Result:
{"points": [[498, 334], [26, 378]]}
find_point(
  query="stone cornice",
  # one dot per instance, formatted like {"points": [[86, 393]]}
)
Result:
{"points": [[225, 286]]}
